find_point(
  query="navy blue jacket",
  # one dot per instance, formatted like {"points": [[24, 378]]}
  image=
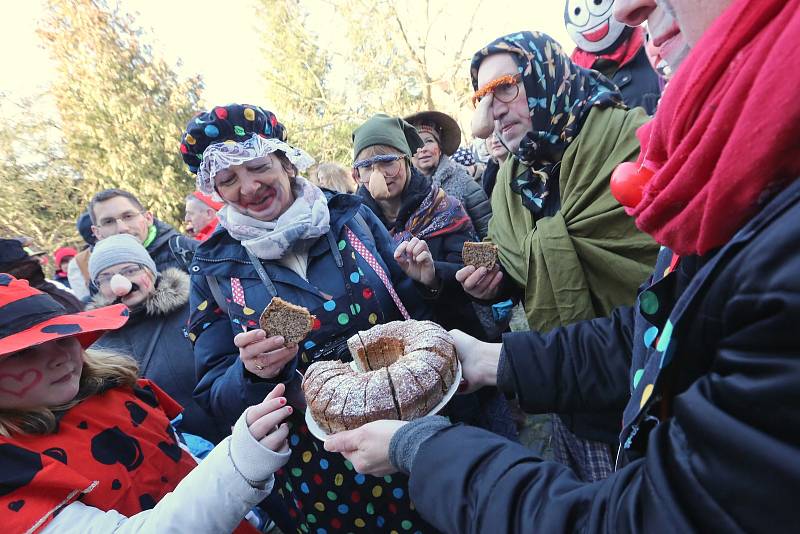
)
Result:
{"points": [[637, 81], [710, 438], [224, 387]]}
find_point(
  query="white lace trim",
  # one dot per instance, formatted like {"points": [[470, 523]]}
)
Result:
{"points": [[220, 156]]}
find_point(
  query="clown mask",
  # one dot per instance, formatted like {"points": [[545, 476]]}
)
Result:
{"points": [[591, 24]]}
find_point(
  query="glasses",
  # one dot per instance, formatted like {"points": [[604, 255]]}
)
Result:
{"points": [[505, 89], [110, 223], [388, 165], [127, 272]]}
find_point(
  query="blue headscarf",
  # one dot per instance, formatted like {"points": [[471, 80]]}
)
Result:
{"points": [[560, 96]]}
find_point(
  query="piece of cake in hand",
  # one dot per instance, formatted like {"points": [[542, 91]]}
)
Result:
{"points": [[479, 254], [285, 319]]}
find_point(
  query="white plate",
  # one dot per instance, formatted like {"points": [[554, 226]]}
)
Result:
{"points": [[320, 434]]}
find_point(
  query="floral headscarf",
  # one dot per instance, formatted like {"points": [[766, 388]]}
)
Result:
{"points": [[560, 96]]}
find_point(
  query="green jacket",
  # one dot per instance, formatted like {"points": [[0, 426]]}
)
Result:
{"points": [[589, 257]]}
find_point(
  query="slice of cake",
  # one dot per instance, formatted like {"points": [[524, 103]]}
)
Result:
{"points": [[285, 319], [479, 254]]}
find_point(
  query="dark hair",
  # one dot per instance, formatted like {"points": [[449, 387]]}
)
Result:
{"points": [[108, 194]]}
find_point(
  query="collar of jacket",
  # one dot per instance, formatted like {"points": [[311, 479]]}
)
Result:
{"points": [[165, 232], [444, 171], [418, 188], [171, 293], [222, 255]]}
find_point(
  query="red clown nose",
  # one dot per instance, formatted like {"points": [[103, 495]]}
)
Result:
{"points": [[628, 181]]}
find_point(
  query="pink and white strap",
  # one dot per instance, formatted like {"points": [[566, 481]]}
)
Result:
{"points": [[364, 252]]}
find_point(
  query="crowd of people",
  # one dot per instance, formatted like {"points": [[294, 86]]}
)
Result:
{"points": [[654, 258]]}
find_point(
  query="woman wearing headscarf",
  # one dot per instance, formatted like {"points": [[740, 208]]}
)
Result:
{"points": [[441, 136], [283, 236], [563, 240]]}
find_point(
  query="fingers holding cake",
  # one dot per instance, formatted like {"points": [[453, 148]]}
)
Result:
{"points": [[264, 356], [480, 282], [367, 447]]}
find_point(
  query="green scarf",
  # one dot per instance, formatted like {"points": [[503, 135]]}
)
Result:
{"points": [[589, 257]]}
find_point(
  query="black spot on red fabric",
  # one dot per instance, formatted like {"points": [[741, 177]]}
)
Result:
{"points": [[137, 412], [116, 484], [4, 279], [83, 425], [16, 506], [146, 501], [164, 480], [146, 395], [172, 450], [57, 453], [114, 446], [18, 466], [124, 313], [62, 328]]}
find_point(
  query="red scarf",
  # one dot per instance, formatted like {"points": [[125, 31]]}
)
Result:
{"points": [[621, 55], [725, 137]]}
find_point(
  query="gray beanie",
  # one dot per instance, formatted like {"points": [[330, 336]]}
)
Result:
{"points": [[116, 249]]}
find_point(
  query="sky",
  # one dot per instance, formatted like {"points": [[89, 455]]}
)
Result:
{"points": [[231, 67]]}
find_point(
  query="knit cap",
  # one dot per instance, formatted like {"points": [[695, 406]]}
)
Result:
{"points": [[385, 130], [116, 249]]}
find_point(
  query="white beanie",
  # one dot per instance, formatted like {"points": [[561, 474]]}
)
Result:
{"points": [[116, 249]]}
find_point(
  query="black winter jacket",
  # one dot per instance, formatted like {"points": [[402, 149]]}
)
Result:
{"points": [[710, 438], [170, 248], [457, 182]]}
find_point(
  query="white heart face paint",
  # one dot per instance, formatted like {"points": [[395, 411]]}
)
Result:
{"points": [[591, 24]]}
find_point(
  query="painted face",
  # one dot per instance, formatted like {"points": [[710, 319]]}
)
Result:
{"points": [[143, 279], [668, 42], [427, 157], [591, 24], [44, 375], [118, 215], [512, 120], [260, 188]]}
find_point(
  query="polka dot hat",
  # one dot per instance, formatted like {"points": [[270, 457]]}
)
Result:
{"points": [[234, 122]]}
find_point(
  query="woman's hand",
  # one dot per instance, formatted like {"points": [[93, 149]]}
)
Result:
{"points": [[265, 420], [414, 258], [263, 356], [367, 447], [480, 283], [478, 361]]}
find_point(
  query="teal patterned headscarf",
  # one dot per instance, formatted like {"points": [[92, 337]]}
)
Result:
{"points": [[560, 96]]}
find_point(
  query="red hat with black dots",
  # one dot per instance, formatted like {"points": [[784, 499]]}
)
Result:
{"points": [[29, 317]]}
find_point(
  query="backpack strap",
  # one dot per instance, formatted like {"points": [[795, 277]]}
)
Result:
{"points": [[363, 224], [183, 255]]}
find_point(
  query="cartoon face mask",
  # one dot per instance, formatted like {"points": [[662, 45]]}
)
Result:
{"points": [[592, 25]]}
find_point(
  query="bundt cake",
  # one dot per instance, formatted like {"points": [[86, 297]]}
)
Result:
{"points": [[402, 371]]}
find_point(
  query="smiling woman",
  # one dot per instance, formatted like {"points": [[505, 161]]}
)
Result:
{"points": [[284, 237]]}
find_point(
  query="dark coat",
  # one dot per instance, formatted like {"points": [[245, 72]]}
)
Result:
{"points": [[225, 388], [453, 308], [637, 81], [710, 439], [457, 182], [170, 248], [154, 337]]}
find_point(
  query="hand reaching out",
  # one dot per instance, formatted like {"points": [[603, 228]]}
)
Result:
{"points": [[265, 420], [367, 447]]}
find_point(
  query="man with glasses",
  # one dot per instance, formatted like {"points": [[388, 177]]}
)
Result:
{"points": [[115, 211]]}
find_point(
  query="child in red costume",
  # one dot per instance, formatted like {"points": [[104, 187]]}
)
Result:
{"points": [[86, 446]]}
